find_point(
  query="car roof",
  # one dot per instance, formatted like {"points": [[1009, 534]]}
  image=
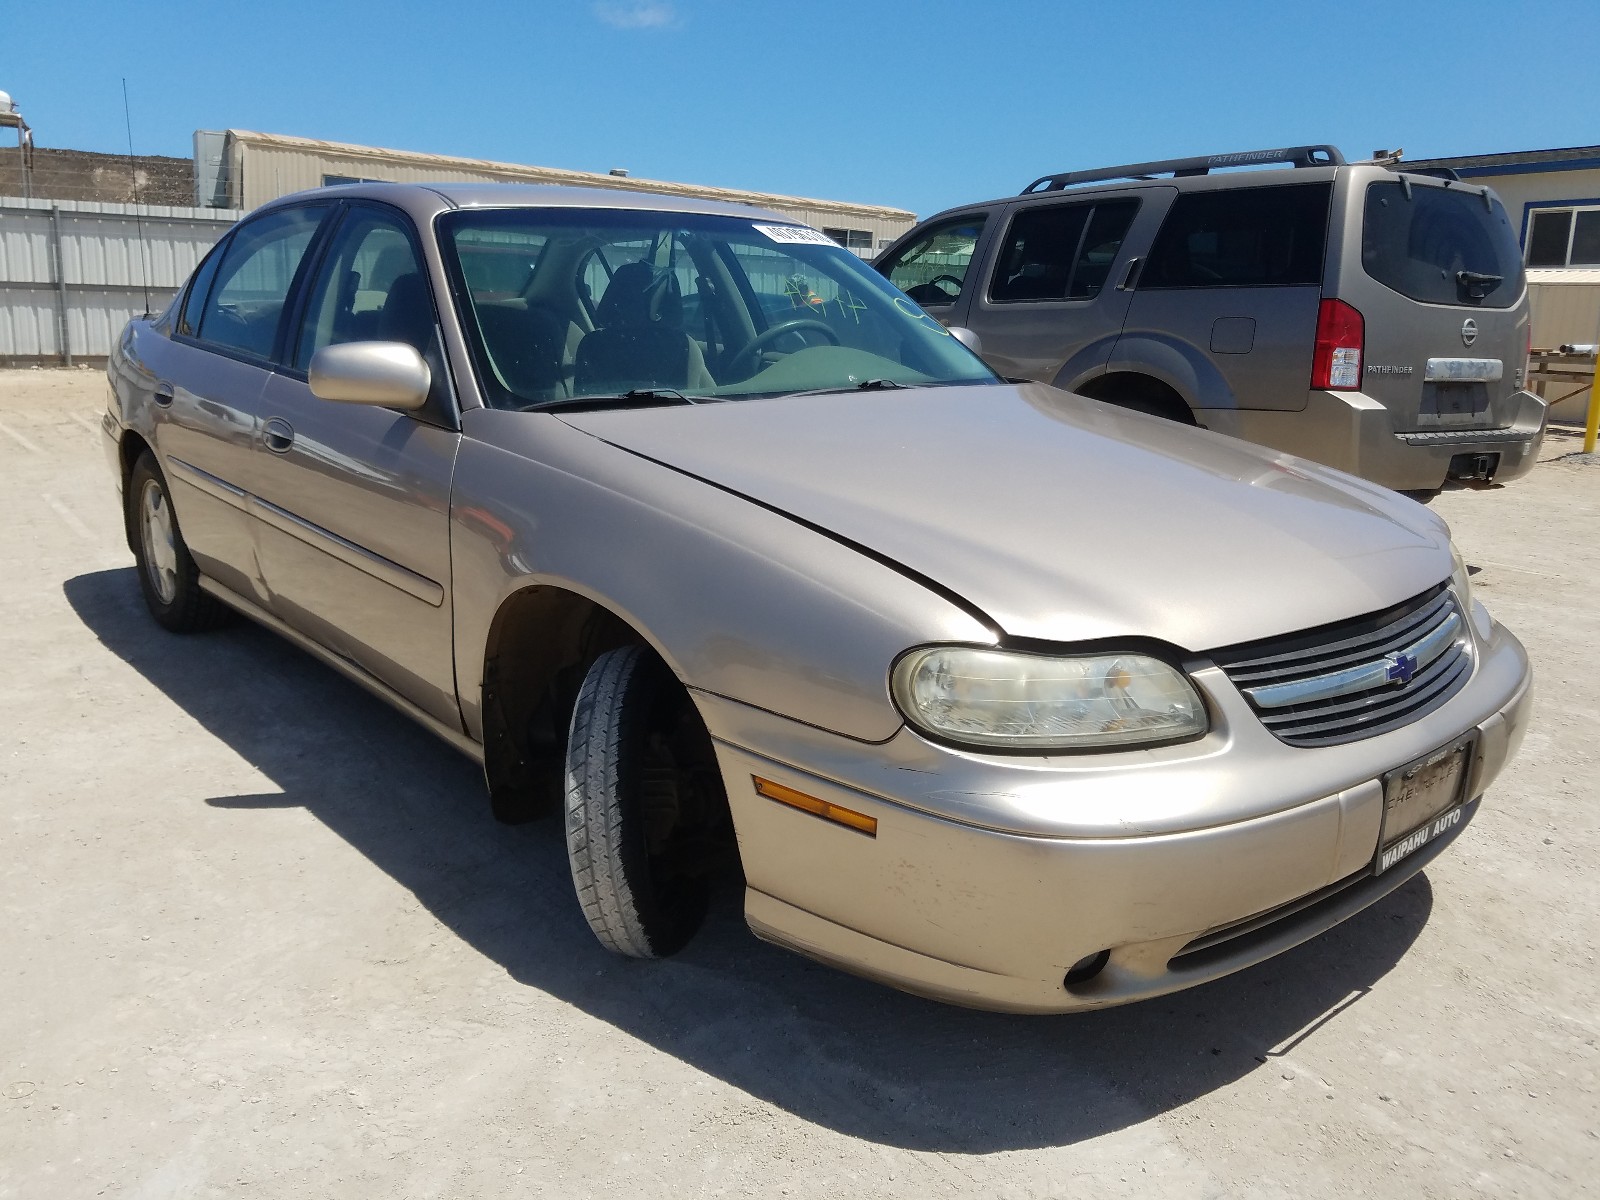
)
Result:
{"points": [[425, 199]]}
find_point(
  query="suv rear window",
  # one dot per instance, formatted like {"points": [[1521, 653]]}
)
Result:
{"points": [[1440, 245], [1242, 237]]}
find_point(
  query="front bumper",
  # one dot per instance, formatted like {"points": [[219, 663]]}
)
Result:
{"points": [[1355, 433], [989, 878]]}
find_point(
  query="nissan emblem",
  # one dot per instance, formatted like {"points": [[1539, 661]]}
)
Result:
{"points": [[1469, 332]]}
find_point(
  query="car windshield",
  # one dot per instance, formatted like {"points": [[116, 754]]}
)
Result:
{"points": [[563, 304]]}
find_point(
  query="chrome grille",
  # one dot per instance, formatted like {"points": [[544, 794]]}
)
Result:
{"points": [[1358, 678]]}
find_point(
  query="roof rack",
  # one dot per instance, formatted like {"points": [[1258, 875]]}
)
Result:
{"points": [[1179, 168]]}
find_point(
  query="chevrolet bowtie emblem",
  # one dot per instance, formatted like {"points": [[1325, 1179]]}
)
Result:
{"points": [[1401, 667]]}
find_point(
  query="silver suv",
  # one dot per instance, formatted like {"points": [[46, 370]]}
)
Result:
{"points": [[1373, 321]]}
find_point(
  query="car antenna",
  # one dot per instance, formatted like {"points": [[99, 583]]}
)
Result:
{"points": [[138, 220]]}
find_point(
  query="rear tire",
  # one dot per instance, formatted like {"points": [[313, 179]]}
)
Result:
{"points": [[645, 810], [168, 576]]}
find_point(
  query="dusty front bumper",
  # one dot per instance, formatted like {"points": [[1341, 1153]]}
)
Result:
{"points": [[1355, 433], [944, 905]]}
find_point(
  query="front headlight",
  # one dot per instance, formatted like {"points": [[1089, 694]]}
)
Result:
{"points": [[1039, 702], [1461, 583]]}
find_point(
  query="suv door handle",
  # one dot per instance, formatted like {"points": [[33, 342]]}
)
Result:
{"points": [[278, 435], [1129, 274]]}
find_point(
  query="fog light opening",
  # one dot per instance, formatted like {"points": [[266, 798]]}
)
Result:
{"points": [[1087, 968]]}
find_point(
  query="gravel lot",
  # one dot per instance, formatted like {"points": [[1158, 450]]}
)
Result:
{"points": [[262, 939]]}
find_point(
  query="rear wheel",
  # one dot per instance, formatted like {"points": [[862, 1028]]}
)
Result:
{"points": [[646, 816], [168, 576]]}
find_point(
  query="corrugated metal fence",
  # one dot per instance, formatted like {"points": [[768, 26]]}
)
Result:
{"points": [[73, 272]]}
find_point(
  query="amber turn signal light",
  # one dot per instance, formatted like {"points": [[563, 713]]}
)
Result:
{"points": [[836, 813]]}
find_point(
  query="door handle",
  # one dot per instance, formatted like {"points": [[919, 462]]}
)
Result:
{"points": [[278, 435], [1130, 274], [163, 394]]}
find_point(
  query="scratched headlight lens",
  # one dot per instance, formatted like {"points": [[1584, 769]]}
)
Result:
{"points": [[1039, 702]]}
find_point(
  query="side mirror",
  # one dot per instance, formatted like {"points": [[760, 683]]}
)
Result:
{"points": [[387, 374], [967, 338]]}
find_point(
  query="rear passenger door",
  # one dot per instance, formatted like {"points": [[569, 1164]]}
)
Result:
{"points": [[211, 374], [1226, 305], [1053, 303]]}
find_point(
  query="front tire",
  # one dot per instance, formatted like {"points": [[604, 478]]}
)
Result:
{"points": [[168, 576], [645, 809]]}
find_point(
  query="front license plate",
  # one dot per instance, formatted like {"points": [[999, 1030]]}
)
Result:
{"points": [[1421, 801]]}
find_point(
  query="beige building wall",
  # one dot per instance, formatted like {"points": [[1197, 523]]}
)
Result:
{"points": [[262, 167], [1561, 187]]}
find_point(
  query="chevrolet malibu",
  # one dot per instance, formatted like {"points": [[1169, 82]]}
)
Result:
{"points": [[691, 528]]}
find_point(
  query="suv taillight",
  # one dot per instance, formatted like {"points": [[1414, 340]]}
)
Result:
{"points": [[1341, 336]]}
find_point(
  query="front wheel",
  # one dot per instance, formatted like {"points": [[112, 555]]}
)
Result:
{"points": [[167, 575], [646, 816]]}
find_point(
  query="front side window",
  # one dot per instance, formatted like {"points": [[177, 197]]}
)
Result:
{"points": [[932, 269], [1440, 245], [680, 305], [370, 288], [253, 281], [1242, 237], [1061, 251]]}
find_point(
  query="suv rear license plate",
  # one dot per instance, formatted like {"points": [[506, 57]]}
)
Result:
{"points": [[1421, 801]]}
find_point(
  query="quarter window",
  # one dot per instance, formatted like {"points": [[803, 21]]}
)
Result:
{"points": [[253, 282], [932, 270], [189, 318], [1062, 251], [1242, 237]]}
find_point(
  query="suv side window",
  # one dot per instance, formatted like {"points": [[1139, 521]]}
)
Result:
{"points": [[933, 269], [1061, 251], [258, 269], [1242, 237]]}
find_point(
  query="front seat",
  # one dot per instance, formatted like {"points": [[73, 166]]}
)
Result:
{"points": [[639, 342]]}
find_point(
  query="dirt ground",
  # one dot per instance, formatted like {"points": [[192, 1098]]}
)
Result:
{"points": [[262, 939]]}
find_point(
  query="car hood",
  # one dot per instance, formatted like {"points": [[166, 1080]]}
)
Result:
{"points": [[1060, 518]]}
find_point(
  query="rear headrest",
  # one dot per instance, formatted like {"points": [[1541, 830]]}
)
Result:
{"points": [[639, 294]]}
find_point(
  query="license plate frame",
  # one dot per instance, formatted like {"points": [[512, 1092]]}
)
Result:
{"points": [[1422, 800]]}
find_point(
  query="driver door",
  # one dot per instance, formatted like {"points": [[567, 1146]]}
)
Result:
{"points": [[354, 499]]}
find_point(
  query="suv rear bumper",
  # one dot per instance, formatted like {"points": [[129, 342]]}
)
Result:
{"points": [[1355, 433]]}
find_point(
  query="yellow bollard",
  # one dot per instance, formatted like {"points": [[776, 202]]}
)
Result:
{"points": [[1593, 427]]}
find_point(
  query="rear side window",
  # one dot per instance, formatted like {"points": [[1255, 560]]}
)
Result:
{"points": [[1440, 245], [932, 269], [1061, 252], [1242, 237], [189, 318], [252, 284]]}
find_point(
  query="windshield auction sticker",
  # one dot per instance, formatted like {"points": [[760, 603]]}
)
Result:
{"points": [[797, 234]]}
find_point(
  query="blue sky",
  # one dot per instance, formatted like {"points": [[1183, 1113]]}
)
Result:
{"points": [[920, 105]]}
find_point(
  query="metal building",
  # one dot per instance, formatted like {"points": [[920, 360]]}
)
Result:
{"points": [[239, 169]]}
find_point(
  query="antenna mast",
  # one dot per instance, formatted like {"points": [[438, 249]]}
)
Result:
{"points": [[138, 221]]}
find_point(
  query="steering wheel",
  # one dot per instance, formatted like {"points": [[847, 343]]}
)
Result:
{"points": [[955, 284], [771, 334]]}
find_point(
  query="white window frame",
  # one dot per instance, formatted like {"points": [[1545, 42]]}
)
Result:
{"points": [[1572, 231]]}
